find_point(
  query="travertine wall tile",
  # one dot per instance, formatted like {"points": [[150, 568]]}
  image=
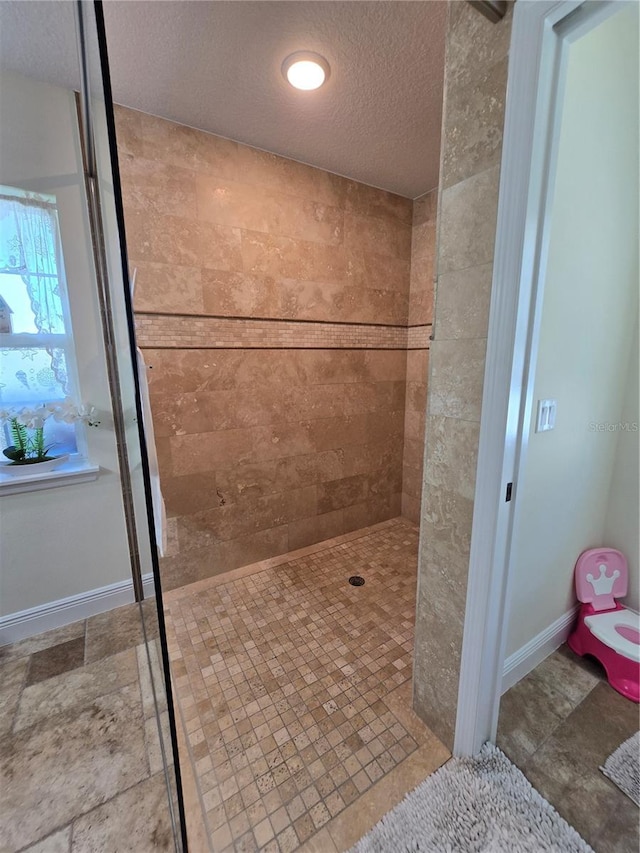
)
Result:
{"points": [[468, 222], [168, 288], [425, 208], [308, 531], [182, 241], [473, 42], [423, 247], [447, 529], [475, 115], [269, 170], [267, 254], [452, 454], [475, 87], [410, 507], [413, 454], [380, 507], [271, 211], [417, 365], [294, 223], [272, 303], [369, 201], [364, 235], [456, 378], [160, 188], [463, 303]]}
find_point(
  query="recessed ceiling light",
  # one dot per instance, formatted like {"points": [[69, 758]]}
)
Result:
{"points": [[305, 70]]}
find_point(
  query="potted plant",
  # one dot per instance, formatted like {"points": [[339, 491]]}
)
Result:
{"points": [[26, 427]]}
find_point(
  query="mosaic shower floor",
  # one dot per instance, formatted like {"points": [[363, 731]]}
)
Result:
{"points": [[294, 688]]}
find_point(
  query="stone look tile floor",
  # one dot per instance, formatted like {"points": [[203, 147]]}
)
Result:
{"points": [[80, 761], [294, 690], [559, 724]]}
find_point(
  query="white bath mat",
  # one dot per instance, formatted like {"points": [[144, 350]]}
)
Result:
{"points": [[623, 768], [474, 805]]}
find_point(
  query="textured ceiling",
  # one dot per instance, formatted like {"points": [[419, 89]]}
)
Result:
{"points": [[216, 66], [38, 39]]}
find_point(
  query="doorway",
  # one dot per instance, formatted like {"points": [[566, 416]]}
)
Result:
{"points": [[548, 40], [577, 485]]}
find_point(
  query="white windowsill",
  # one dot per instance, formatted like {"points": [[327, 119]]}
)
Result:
{"points": [[77, 469]]}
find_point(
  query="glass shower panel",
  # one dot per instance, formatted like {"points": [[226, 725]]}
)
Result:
{"points": [[147, 507], [86, 752]]}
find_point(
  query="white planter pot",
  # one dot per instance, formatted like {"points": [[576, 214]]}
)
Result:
{"points": [[34, 468]]}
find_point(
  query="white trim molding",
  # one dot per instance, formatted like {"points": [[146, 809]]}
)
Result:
{"points": [[75, 470], [527, 658], [64, 611]]}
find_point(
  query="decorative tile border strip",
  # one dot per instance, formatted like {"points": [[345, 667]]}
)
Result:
{"points": [[163, 331], [419, 337]]}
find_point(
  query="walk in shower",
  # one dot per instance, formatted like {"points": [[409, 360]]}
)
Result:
{"points": [[252, 445], [237, 503], [87, 753], [284, 314]]}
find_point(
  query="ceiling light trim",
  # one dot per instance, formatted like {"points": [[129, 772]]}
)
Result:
{"points": [[305, 56]]}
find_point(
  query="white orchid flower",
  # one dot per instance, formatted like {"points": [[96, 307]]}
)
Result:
{"points": [[36, 422], [32, 418], [25, 415], [87, 414], [62, 411], [65, 411]]}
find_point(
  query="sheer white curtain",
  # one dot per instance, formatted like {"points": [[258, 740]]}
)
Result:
{"points": [[28, 237], [28, 241]]}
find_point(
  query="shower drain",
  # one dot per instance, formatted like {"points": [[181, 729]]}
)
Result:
{"points": [[356, 580]]}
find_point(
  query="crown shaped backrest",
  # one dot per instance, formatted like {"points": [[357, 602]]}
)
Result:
{"points": [[601, 576]]}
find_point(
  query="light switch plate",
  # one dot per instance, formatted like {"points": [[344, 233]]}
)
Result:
{"points": [[546, 418]]}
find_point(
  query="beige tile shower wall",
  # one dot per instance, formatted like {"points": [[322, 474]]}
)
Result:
{"points": [[475, 87], [423, 246], [263, 451], [414, 430], [273, 432], [423, 249], [218, 228]]}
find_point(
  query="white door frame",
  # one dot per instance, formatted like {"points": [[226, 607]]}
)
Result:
{"points": [[541, 31]]}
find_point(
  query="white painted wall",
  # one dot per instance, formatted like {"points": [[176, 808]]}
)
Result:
{"points": [[623, 511], [68, 540], [589, 312]]}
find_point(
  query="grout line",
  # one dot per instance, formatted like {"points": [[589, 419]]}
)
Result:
{"points": [[23, 686], [239, 347], [50, 835], [286, 320]]}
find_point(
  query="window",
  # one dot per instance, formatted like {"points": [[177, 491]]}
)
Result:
{"points": [[37, 362]]}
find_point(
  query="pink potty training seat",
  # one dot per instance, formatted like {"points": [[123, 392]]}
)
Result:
{"points": [[605, 629]]}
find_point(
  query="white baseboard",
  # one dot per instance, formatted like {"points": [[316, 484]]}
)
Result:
{"points": [[522, 662], [64, 611], [148, 587]]}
